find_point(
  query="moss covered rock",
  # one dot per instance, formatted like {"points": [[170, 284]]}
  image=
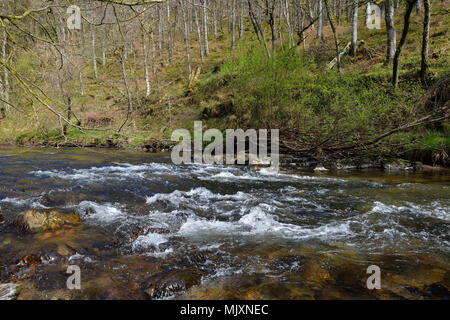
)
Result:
{"points": [[46, 220]]}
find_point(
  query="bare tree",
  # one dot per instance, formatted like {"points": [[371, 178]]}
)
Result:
{"points": [[199, 35], [205, 27], [425, 37], [409, 8], [354, 27], [320, 18], [391, 33]]}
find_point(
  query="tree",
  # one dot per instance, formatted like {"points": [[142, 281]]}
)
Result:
{"points": [[205, 27], [319, 20], [425, 37], [354, 27], [391, 33], [409, 8]]}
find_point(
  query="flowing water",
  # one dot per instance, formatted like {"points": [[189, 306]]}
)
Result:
{"points": [[151, 229]]}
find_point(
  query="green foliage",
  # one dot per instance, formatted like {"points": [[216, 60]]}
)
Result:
{"points": [[290, 91]]}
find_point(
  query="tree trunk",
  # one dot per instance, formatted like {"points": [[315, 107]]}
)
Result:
{"points": [[94, 57], [205, 27], [409, 8], [147, 80], [418, 6], [425, 37], [169, 34], [127, 88], [271, 13], [103, 47], [199, 34], [160, 30], [233, 25], [336, 44], [319, 18], [354, 27], [5, 71], [391, 33], [186, 38], [215, 19], [368, 12]]}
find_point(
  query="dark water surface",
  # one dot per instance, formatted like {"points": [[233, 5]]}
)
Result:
{"points": [[151, 229]]}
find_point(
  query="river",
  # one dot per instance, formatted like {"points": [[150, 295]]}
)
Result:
{"points": [[154, 230]]}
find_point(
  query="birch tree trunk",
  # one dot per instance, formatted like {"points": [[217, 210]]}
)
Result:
{"points": [[354, 27], [160, 30], [103, 47], [233, 25], [147, 80], [391, 33], [320, 18], [152, 40], [186, 37], [169, 33], [368, 12], [205, 27], [94, 57], [215, 19], [199, 35], [418, 6], [241, 19]]}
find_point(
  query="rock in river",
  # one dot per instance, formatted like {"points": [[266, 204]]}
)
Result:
{"points": [[9, 291], [44, 220]]}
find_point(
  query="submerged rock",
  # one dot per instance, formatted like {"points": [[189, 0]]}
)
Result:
{"points": [[44, 220], [320, 168], [170, 284], [9, 291], [29, 260], [398, 164]]}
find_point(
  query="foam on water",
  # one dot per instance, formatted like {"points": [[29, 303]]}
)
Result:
{"points": [[200, 193], [101, 213], [149, 240], [119, 171], [31, 203], [260, 222]]}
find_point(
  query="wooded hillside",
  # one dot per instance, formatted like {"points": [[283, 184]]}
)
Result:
{"points": [[316, 69]]}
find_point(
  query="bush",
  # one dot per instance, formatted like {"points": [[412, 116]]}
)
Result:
{"points": [[291, 93]]}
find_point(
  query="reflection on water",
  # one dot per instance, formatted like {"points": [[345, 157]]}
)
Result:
{"points": [[151, 229]]}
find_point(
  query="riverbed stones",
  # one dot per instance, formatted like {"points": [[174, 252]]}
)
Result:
{"points": [[29, 260], [47, 220], [398, 164], [9, 291], [171, 283]]}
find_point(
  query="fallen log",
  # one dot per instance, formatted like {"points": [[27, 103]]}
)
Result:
{"points": [[333, 62]]}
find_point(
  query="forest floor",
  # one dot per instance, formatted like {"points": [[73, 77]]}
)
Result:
{"points": [[226, 95]]}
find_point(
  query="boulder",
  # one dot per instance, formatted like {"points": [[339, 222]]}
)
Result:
{"points": [[45, 220], [9, 291], [29, 260], [171, 283], [398, 164]]}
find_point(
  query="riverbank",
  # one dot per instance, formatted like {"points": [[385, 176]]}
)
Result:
{"points": [[287, 161]]}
